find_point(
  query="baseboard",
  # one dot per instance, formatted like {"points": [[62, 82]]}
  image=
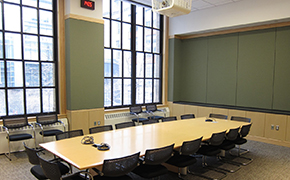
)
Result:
{"points": [[269, 140]]}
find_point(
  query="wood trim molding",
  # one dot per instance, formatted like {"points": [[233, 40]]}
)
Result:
{"points": [[269, 141], [165, 60], [84, 18], [236, 30]]}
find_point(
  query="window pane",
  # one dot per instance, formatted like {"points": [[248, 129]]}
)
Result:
{"points": [[140, 65], [127, 91], [2, 74], [126, 36], [156, 41], [116, 34], [48, 99], [116, 9], [148, 39], [31, 74], [107, 95], [106, 9], [2, 103], [127, 64], [14, 74], [117, 92], [148, 90], [13, 46], [156, 21], [1, 46], [46, 49], [126, 11], [12, 17], [30, 2], [156, 66], [139, 91], [29, 20], [148, 17], [46, 4], [107, 33], [45, 18], [0, 16], [156, 90], [139, 15], [117, 63], [139, 38], [107, 62], [32, 101], [15, 102], [30, 47], [48, 74], [148, 72]]}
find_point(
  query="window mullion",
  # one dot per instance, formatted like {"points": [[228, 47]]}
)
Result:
{"points": [[133, 55]]}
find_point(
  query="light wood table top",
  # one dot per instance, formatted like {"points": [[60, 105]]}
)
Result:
{"points": [[128, 141]]}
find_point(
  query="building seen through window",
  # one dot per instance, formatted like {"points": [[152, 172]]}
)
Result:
{"points": [[132, 54]]}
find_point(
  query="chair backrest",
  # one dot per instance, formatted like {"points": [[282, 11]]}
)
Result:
{"points": [[150, 121], [158, 155], [120, 166], [69, 134], [13, 123], [190, 147], [166, 119], [100, 129], [32, 155], [233, 134], [238, 118], [50, 169], [187, 116], [47, 119], [217, 138], [219, 116], [124, 125], [135, 109], [245, 129], [151, 107]]}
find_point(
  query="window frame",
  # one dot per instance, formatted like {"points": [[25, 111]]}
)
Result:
{"points": [[134, 52]]}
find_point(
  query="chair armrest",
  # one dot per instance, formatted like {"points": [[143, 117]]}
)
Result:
{"points": [[30, 126], [62, 124], [6, 129], [98, 171], [69, 176]]}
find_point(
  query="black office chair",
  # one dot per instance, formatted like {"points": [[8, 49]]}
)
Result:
{"points": [[47, 120], [238, 118], [150, 121], [244, 131], [151, 109], [118, 168], [187, 116], [183, 158], [124, 125], [167, 119], [136, 110], [52, 171], [218, 116], [69, 134], [211, 148], [36, 170], [100, 129], [151, 165], [17, 125]]}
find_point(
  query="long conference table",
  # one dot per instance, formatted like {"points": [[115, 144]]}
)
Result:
{"points": [[130, 140]]}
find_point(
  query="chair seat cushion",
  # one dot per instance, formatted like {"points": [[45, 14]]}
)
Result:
{"points": [[181, 160], [227, 145], [240, 141], [113, 178], [150, 171], [208, 150], [155, 117], [17, 137], [52, 132], [140, 119], [37, 172]]}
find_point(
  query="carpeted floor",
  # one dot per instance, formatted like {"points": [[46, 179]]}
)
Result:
{"points": [[270, 162]]}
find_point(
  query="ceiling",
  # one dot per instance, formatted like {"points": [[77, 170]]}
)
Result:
{"points": [[200, 4]]}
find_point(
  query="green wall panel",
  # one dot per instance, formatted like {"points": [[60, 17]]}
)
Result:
{"points": [[222, 69], [256, 68], [281, 99], [193, 71], [84, 64]]}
